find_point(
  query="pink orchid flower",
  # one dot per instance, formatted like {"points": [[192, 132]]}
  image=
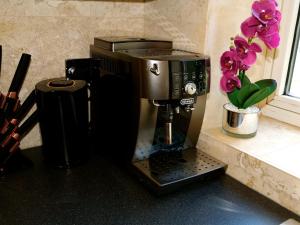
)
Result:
{"points": [[249, 27], [228, 84], [265, 11], [272, 1], [246, 52], [229, 62], [269, 34], [263, 24], [271, 41]]}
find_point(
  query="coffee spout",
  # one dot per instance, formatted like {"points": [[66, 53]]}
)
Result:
{"points": [[168, 133], [168, 124]]}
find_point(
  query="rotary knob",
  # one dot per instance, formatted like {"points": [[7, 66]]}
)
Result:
{"points": [[190, 88]]}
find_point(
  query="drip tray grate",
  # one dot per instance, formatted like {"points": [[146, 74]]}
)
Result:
{"points": [[166, 168]]}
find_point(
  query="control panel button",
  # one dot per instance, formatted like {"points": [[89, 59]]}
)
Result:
{"points": [[190, 88]]}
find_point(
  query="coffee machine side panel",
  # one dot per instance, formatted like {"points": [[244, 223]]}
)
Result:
{"points": [[147, 125], [196, 122], [208, 74], [154, 79]]}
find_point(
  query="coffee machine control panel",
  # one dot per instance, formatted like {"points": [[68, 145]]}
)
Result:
{"points": [[188, 79]]}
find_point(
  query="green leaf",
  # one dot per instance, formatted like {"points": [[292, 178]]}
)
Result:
{"points": [[232, 96], [267, 88], [246, 91], [267, 83], [244, 79]]}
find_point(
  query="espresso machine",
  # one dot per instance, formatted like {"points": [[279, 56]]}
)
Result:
{"points": [[152, 101]]}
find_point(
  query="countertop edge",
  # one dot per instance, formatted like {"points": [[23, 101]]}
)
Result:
{"points": [[256, 174]]}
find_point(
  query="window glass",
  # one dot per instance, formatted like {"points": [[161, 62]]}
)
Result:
{"points": [[293, 80]]}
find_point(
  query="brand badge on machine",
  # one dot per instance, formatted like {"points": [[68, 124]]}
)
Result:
{"points": [[187, 101]]}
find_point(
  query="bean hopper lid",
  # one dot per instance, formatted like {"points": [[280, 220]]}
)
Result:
{"points": [[123, 43], [163, 54]]}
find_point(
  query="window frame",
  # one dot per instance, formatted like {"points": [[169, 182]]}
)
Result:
{"points": [[281, 106]]}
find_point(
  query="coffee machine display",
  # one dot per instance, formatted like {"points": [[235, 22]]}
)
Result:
{"points": [[153, 103]]}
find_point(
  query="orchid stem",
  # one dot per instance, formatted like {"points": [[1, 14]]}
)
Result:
{"points": [[241, 75]]}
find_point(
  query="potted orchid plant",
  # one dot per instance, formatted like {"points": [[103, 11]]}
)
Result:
{"points": [[243, 94]]}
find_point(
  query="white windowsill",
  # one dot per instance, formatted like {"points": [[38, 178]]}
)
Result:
{"points": [[276, 143], [268, 163]]}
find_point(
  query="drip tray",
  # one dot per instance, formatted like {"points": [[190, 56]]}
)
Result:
{"points": [[167, 169]]}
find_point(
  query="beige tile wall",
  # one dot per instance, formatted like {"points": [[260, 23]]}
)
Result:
{"points": [[52, 30], [182, 21]]}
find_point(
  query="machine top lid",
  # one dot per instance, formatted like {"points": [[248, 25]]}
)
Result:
{"points": [[122, 43], [163, 54]]}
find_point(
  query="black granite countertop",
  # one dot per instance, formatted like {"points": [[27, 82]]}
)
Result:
{"points": [[99, 192]]}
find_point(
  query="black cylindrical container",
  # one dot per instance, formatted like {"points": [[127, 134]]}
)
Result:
{"points": [[63, 115]]}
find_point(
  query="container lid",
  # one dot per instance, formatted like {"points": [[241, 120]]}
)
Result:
{"points": [[60, 85]]}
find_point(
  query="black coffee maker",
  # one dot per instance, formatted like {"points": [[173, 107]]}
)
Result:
{"points": [[152, 102]]}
